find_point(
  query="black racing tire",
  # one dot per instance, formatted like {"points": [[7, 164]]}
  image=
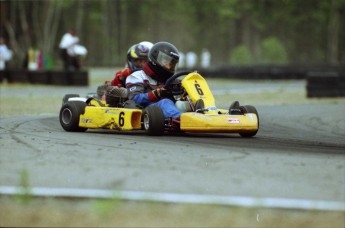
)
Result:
{"points": [[70, 115], [67, 96], [153, 120], [250, 109]]}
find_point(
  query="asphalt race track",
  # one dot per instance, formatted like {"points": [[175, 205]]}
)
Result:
{"points": [[298, 154]]}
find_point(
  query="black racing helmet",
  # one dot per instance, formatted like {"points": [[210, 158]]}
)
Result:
{"points": [[163, 59]]}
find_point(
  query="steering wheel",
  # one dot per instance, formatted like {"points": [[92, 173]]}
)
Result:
{"points": [[173, 87]]}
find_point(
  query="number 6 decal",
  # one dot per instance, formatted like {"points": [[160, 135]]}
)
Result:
{"points": [[122, 119], [198, 89]]}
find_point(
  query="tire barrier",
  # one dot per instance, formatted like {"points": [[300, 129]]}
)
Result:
{"points": [[45, 77], [326, 84], [270, 72]]}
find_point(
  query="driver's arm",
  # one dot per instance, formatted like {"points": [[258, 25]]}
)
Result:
{"points": [[139, 91]]}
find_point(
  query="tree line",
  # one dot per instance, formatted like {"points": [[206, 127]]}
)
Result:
{"points": [[234, 31]]}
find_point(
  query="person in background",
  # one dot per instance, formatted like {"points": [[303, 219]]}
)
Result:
{"points": [[191, 60], [205, 58], [5, 54], [67, 43]]}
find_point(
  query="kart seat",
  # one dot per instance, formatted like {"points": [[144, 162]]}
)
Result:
{"points": [[114, 96]]}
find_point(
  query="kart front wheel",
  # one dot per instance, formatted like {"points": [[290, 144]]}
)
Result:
{"points": [[250, 109], [153, 120], [69, 115]]}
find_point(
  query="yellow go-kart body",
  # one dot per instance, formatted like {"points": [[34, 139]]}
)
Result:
{"points": [[95, 114], [111, 118], [212, 119]]}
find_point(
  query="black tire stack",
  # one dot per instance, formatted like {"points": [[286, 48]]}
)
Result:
{"points": [[17, 76], [45, 77], [326, 84]]}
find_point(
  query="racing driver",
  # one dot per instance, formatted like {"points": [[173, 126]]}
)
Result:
{"points": [[145, 87], [136, 57]]}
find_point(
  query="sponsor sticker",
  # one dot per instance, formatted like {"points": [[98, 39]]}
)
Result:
{"points": [[233, 120], [86, 120], [111, 112]]}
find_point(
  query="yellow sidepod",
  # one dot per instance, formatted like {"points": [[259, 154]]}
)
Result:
{"points": [[197, 122], [111, 118]]}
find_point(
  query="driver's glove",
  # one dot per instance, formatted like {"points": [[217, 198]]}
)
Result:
{"points": [[160, 93]]}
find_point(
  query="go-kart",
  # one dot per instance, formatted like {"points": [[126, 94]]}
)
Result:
{"points": [[201, 115]]}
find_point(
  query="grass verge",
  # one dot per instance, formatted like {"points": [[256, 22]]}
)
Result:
{"points": [[49, 212]]}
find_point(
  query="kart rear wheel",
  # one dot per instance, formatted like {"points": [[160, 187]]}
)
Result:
{"points": [[70, 114], [250, 109], [67, 96], [153, 120]]}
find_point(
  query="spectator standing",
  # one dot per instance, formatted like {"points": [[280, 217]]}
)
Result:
{"points": [[68, 41], [5, 54], [205, 58], [182, 62], [191, 60]]}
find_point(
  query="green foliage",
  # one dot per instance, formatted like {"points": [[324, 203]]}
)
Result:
{"points": [[226, 9], [241, 56], [272, 51], [109, 27], [104, 207], [24, 194], [65, 4]]}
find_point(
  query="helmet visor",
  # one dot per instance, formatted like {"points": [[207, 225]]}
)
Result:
{"points": [[167, 62]]}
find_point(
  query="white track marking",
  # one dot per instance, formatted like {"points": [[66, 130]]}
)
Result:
{"points": [[242, 201]]}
